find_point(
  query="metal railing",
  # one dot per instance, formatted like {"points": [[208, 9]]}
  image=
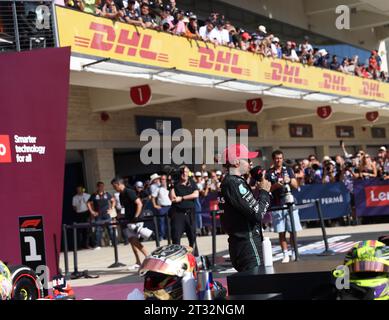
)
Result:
{"points": [[27, 25]]}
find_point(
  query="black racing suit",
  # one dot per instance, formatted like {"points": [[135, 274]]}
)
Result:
{"points": [[241, 220]]}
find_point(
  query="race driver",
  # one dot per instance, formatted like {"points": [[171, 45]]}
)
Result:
{"points": [[242, 215]]}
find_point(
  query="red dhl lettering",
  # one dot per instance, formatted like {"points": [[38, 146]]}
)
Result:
{"points": [[371, 89], [334, 82], [123, 42], [287, 73], [219, 61], [377, 196]]}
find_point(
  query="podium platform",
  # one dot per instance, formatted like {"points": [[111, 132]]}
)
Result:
{"points": [[306, 279]]}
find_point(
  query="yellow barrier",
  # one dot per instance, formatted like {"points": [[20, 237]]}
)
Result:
{"points": [[99, 37]]}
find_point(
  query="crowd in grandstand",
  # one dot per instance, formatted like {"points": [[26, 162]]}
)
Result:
{"points": [[167, 17]]}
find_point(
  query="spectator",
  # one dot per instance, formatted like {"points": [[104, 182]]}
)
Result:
{"points": [[80, 207], [180, 23], [140, 191], [162, 203], [347, 176], [109, 10], [279, 175], [75, 4], [182, 218], [306, 46], [146, 17], [299, 174], [166, 21], [131, 15], [367, 168], [289, 52], [203, 192], [173, 7], [220, 35], [99, 204], [262, 32], [207, 31], [192, 31], [276, 48], [90, 6], [133, 208], [329, 172], [334, 65]]}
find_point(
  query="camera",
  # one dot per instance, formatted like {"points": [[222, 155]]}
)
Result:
{"points": [[287, 193], [257, 173], [140, 230]]}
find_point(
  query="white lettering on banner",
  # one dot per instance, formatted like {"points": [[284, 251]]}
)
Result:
{"points": [[382, 196], [3, 150], [24, 151], [327, 200]]}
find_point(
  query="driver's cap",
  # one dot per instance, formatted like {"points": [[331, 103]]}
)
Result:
{"points": [[237, 152]]}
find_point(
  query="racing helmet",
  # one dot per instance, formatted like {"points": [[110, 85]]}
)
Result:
{"points": [[368, 264], [5, 282], [164, 269], [368, 256]]}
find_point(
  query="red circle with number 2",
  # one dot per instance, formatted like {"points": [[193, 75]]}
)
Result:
{"points": [[254, 106]]}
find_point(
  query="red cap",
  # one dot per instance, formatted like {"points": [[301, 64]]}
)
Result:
{"points": [[237, 152]]}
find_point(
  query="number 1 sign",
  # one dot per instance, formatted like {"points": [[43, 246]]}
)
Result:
{"points": [[140, 95]]}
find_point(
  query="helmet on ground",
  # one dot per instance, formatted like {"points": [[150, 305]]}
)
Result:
{"points": [[164, 269], [5, 282]]}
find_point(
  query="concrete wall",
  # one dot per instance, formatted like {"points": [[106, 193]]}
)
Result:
{"points": [[87, 131]]}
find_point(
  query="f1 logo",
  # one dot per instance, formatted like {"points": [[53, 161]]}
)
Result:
{"points": [[5, 150]]}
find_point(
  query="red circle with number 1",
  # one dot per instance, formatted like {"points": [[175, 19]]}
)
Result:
{"points": [[254, 106], [140, 95]]}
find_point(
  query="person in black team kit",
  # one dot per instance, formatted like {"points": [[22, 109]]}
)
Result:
{"points": [[132, 205], [242, 215], [182, 213]]}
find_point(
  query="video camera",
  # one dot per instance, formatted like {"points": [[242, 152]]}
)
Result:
{"points": [[257, 173]]}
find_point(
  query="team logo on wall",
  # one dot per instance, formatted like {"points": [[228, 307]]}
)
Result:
{"points": [[5, 149]]}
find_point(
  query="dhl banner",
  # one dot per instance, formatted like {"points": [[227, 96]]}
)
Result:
{"points": [[94, 36]]}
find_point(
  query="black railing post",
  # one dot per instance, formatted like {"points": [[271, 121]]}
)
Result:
{"points": [[65, 250], [155, 220], [116, 263], [327, 250]]}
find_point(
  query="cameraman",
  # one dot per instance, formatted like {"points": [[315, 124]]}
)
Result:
{"points": [[132, 205], [243, 214], [281, 178]]}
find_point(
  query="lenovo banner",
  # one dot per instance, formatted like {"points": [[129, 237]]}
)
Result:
{"points": [[334, 200], [34, 89], [372, 197]]}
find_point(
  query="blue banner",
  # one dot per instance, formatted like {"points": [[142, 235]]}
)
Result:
{"points": [[334, 200], [372, 197]]}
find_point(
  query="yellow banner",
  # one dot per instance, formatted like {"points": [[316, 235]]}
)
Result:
{"points": [[95, 36]]}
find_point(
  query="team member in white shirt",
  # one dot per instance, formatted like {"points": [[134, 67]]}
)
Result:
{"points": [[81, 215], [162, 203]]}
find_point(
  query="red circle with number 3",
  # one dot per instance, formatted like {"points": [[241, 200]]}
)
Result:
{"points": [[372, 116], [254, 106], [140, 95], [324, 112]]}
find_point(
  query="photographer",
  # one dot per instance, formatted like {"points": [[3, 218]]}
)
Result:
{"points": [[282, 179], [330, 174], [132, 205], [182, 213], [243, 214], [347, 176]]}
